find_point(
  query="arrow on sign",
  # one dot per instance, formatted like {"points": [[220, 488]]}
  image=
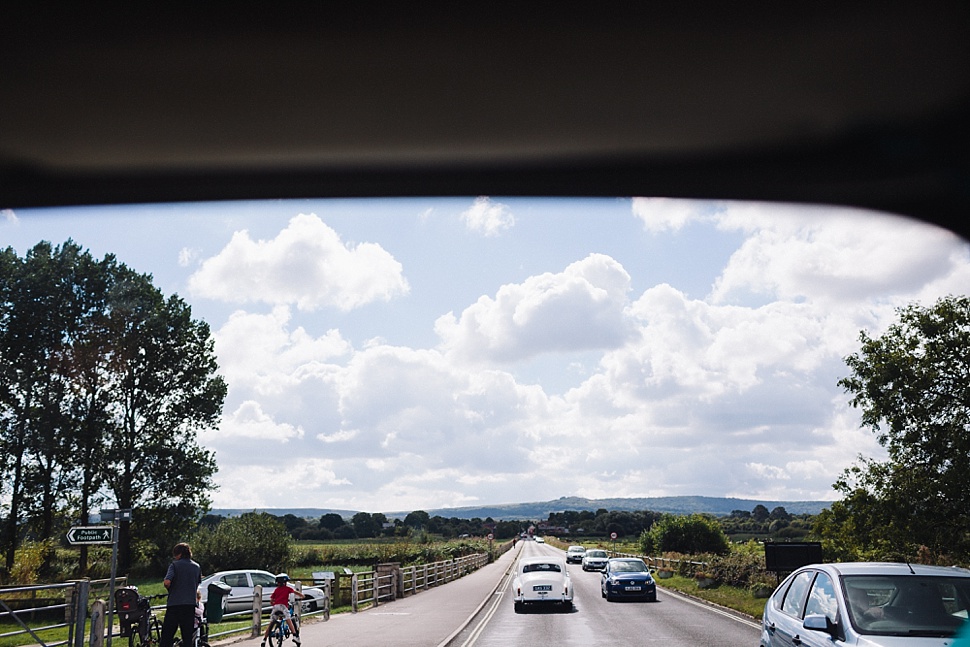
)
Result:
{"points": [[89, 535]]}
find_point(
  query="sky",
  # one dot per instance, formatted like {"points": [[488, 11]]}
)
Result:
{"points": [[391, 355]]}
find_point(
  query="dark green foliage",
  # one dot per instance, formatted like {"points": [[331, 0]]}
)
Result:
{"points": [[104, 386], [253, 540], [688, 534], [912, 385]]}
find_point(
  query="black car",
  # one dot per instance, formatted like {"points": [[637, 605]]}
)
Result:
{"points": [[627, 578]]}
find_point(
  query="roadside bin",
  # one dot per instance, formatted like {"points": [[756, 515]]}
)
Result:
{"points": [[215, 603]]}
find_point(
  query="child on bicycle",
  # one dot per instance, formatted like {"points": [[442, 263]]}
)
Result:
{"points": [[280, 599]]}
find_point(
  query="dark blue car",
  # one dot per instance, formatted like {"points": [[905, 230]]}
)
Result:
{"points": [[627, 578]]}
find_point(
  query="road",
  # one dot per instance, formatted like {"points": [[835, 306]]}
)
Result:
{"points": [[477, 611], [673, 620]]}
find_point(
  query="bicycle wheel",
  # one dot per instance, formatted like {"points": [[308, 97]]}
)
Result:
{"points": [[278, 634]]}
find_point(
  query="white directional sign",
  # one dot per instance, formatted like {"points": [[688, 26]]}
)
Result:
{"points": [[89, 535]]}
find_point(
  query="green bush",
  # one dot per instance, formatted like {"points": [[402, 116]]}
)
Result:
{"points": [[252, 540], [691, 534]]}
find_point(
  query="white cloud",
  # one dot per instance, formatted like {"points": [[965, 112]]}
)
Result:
{"points": [[834, 256], [8, 217], [726, 395], [666, 214], [580, 308], [487, 217], [306, 265]]}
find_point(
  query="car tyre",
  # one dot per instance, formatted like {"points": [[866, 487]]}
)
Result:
{"points": [[609, 596], [519, 607], [567, 606]]}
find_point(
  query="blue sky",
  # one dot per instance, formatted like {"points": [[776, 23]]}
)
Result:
{"points": [[425, 353]]}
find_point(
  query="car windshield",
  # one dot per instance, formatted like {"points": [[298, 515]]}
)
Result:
{"points": [[629, 566], [576, 549], [543, 567], [907, 605], [596, 553]]}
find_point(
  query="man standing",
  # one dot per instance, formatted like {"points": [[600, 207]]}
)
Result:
{"points": [[182, 581]]}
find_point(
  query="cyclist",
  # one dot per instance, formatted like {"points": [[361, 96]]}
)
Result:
{"points": [[280, 599]]}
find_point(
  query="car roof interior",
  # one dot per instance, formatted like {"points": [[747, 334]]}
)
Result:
{"points": [[851, 103]]}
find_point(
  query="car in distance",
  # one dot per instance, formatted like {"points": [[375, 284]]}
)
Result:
{"points": [[627, 578], [574, 554], [867, 603], [595, 559], [242, 584], [542, 581], [540, 540]]}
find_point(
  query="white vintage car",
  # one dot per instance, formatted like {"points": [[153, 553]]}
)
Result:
{"points": [[542, 581]]}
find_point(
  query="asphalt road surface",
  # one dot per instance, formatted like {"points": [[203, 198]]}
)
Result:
{"points": [[477, 611]]}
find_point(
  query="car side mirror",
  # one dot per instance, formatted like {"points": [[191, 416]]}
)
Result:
{"points": [[818, 622]]}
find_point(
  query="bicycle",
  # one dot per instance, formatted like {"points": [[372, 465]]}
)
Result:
{"points": [[279, 629], [140, 624]]}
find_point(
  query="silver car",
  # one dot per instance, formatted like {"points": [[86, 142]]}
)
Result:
{"points": [[242, 584], [867, 603], [595, 559]]}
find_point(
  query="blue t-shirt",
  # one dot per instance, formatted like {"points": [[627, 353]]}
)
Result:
{"points": [[185, 576]]}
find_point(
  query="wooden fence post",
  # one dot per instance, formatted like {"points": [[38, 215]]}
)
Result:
{"points": [[98, 610], [257, 611]]}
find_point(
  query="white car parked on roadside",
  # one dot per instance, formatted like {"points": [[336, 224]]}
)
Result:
{"points": [[242, 583], [542, 581]]}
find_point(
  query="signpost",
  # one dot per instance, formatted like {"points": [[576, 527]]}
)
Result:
{"points": [[89, 535]]}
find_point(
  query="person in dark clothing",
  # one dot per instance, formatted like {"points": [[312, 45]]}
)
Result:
{"points": [[182, 581]]}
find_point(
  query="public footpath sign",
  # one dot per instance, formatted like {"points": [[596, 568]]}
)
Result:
{"points": [[89, 535]]}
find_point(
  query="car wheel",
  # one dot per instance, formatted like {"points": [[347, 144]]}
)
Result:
{"points": [[519, 607], [311, 605], [567, 606], [609, 596]]}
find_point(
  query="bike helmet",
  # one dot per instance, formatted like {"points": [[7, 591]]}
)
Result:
{"points": [[282, 577]]}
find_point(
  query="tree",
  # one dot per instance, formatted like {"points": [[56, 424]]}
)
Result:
{"points": [[363, 524], [417, 519], [689, 534], [252, 540], [331, 521], [163, 373], [760, 513], [104, 386], [912, 384]]}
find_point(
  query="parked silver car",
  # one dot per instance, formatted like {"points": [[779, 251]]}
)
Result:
{"points": [[242, 583], [868, 603]]}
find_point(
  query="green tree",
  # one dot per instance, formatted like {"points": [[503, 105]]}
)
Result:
{"points": [[417, 519], [363, 524], [331, 521], [104, 385], [689, 534], [912, 385], [163, 373], [252, 540]]}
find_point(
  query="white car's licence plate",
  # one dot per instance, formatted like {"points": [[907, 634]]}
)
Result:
{"points": [[542, 587]]}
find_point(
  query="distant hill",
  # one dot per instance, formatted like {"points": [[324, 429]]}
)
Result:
{"points": [[540, 510]]}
